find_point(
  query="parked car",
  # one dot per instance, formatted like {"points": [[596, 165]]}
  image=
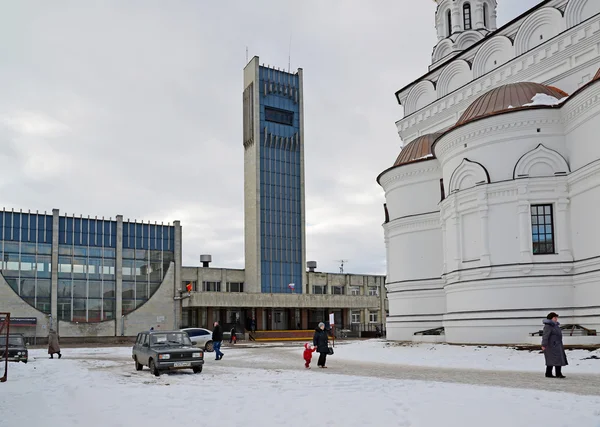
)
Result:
{"points": [[202, 337], [164, 351], [17, 348]]}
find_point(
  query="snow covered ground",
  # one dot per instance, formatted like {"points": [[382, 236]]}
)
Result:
{"points": [[466, 357], [100, 388]]}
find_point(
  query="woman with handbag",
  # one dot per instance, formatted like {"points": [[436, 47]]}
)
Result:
{"points": [[321, 342], [552, 346]]}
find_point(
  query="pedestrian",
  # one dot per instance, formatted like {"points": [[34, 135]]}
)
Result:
{"points": [[309, 349], [53, 345], [321, 342], [217, 337], [232, 336], [552, 346], [253, 325]]}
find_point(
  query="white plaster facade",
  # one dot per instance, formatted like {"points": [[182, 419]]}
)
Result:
{"points": [[459, 234]]}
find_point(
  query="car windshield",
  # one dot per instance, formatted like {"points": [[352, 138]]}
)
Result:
{"points": [[12, 341], [169, 338]]}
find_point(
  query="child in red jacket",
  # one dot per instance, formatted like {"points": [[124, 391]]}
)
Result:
{"points": [[309, 349]]}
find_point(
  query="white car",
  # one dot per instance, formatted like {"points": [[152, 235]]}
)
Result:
{"points": [[202, 337]]}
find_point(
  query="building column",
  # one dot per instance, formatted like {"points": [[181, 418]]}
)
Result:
{"points": [[54, 273], [119, 326], [524, 225], [224, 280], [484, 258], [177, 279], [563, 244]]}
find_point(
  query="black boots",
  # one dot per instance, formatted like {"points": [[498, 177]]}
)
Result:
{"points": [[558, 372]]}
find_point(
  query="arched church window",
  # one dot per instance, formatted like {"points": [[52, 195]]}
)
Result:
{"points": [[467, 16], [485, 15], [449, 22]]}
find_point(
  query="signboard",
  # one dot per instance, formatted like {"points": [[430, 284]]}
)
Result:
{"points": [[331, 319], [20, 321]]}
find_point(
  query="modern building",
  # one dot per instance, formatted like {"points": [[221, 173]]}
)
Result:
{"points": [[275, 289], [88, 276], [93, 277], [358, 302], [490, 203], [274, 180]]}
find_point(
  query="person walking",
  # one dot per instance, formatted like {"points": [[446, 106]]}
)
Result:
{"points": [[321, 342], [53, 345], [552, 346], [232, 336], [217, 337]]}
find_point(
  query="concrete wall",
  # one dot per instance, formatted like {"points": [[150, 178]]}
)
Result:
{"points": [[158, 312], [12, 303]]}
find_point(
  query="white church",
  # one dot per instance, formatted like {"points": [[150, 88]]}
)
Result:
{"points": [[493, 204]]}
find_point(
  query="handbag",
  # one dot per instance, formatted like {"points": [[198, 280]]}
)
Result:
{"points": [[330, 351]]}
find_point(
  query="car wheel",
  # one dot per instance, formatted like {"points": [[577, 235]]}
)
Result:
{"points": [[209, 347], [138, 366], [197, 369], [154, 369]]}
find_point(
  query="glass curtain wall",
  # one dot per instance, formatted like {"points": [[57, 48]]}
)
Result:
{"points": [[26, 256], [147, 253], [86, 269]]}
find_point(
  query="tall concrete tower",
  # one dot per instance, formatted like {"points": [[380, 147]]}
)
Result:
{"points": [[274, 180]]}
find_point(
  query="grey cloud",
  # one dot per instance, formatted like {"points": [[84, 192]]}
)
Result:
{"points": [[134, 108]]}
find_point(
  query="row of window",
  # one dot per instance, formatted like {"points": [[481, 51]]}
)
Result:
{"points": [[280, 116], [281, 192], [148, 236], [356, 316], [25, 227], [467, 18], [340, 290], [84, 310], [214, 286], [279, 179]]}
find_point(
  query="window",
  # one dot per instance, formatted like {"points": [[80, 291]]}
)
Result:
{"points": [[449, 23], [184, 283], [211, 286], [279, 116], [485, 15], [355, 291], [467, 16], [235, 287], [355, 316], [319, 289], [373, 317], [373, 291], [542, 229], [337, 290]]}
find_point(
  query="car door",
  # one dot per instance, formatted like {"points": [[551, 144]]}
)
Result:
{"points": [[203, 337], [192, 333], [145, 349]]}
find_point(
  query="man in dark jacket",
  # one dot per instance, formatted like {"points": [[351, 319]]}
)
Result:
{"points": [[552, 346], [217, 337], [321, 342]]}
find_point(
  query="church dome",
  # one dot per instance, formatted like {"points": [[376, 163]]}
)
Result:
{"points": [[417, 149], [509, 96]]}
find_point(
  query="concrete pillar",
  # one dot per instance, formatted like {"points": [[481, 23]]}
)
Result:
{"points": [[177, 281], [54, 274], [119, 278], [259, 319], [304, 317], [224, 280]]}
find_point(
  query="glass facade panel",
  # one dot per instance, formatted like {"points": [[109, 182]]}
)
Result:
{"points": [[280, 183], [86, 263]]}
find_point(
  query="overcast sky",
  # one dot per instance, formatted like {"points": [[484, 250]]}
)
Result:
{"points": [[135, 108]]}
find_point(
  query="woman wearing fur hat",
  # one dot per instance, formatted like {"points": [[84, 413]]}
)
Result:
{"points": [[552, 346]]}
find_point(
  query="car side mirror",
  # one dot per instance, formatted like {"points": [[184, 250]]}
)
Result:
{"points": [[194, 342]]}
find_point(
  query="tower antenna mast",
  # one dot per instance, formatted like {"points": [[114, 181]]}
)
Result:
{"points": [[342, 261]]}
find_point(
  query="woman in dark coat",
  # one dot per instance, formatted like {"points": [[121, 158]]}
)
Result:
{"points": [[321, 342], [552, 346]]}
